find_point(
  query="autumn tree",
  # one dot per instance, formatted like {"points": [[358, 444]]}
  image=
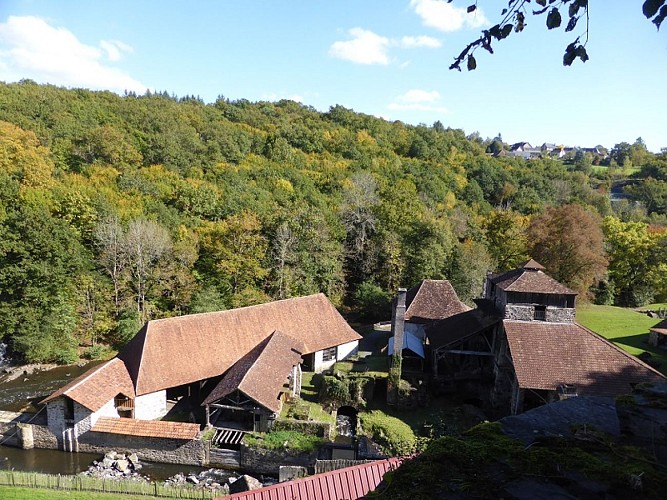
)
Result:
{"points": [[568, 241]]}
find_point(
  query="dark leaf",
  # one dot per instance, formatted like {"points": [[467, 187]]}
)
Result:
{"points": [[471, 8], [568, 58], [581, 53], [574, 8], [503, 12], [541, 2], [553, 19], [582, 3], [650, 7], [472, 63], [571, 23], [660, 17], [507, 29], [540, 11]]}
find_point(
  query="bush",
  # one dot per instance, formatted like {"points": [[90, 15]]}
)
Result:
{"points": [[372, 301], [96, 352], [393, 435], [334, 391]]}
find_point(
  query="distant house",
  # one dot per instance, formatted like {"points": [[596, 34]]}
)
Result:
{"points": [[239, 358], [524, 150]]}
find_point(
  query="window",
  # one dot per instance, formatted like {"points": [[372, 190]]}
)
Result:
{"points": [[540, 313], [69, 409], [329, 354]]}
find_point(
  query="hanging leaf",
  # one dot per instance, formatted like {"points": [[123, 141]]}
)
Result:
{"points": [[571, 23], [542, 3], [471, 8], [660, 17], [581, 53], [553, 19], [574, 9], [472, 63], [650, 7]]}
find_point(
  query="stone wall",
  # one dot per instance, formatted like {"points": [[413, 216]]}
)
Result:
{"points": [[261, 461], [162, 450], [151, 406], [526, 312], [42, 437]]}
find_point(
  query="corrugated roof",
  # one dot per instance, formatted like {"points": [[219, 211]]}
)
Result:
{"points": [[546, 355], [175, 351], [530, 280], [409, 342], [146, 428], [432, 300], [349, 483], [262, 372], [98, 386]]}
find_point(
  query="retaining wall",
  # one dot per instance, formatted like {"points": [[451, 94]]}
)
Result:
{"points": [[263, 461]]}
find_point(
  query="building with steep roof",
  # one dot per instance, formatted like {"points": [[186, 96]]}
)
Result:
{"points": [[251, 351], [521, 347], [541, 354]]}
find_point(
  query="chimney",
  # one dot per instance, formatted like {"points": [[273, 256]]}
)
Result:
{"points": [[398, 320]]}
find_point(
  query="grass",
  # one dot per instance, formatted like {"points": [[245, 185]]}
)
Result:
{"points": [[626, 328], [16, 493], [281, 440]]}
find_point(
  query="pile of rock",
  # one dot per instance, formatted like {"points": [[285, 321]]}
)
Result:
{"points": [[116, 465], [216, 480]]}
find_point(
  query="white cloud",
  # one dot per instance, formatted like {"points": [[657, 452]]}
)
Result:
{"points": [[418, 100], [446, 17], [32, 48], [411, 42], [365, 47]]}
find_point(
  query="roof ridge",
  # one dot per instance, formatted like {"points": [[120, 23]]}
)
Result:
{"points": [[236, 309]]}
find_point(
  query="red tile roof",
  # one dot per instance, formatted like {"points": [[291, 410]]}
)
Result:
{"points": [[262, 372], [98, 385], [432, 300], [349, 483], [546, 355], [175, 351], [147, 428], [529, 280]]}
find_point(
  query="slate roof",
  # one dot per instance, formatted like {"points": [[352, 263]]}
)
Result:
{"points": [[146, 428], [546, 355], [460, 326], [98, 386], [529, 278], [349, 483], [262, 372], [175, 351], [432, 300]]}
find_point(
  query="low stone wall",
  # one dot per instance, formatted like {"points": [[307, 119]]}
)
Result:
{"points": [[261, 461], [228, 459], [42, 437], [170, 451]]}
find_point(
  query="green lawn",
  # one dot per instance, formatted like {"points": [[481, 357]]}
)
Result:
{"points": [[624, 327], [16, 493]]}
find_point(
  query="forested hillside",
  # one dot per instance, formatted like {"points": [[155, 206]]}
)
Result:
{"points": [[115, 210]]}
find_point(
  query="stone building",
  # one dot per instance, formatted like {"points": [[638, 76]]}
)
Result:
{"points": [[522, 347], [210, 355]]}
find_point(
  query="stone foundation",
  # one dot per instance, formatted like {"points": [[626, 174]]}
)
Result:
{"points": [[261, 461]]}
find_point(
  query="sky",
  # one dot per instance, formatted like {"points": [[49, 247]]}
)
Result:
{"points": [[387, 58]]}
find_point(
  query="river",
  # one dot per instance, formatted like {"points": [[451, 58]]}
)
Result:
{"points": [[22, 394]]}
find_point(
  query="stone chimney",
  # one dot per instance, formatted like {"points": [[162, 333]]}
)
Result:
{"points": [[397, 331]]}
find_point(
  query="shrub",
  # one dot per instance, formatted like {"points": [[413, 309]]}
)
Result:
{"points": [[393, 435], [279, 440], [334, 391], [96, 352]]}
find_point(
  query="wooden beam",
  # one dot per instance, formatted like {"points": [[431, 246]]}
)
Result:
{"points": [[471, 353]]}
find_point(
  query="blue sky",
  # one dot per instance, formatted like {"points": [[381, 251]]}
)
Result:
{"points": [[388, 58]]}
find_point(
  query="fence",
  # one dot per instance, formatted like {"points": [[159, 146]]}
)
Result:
{"points": [[89, 483]]}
